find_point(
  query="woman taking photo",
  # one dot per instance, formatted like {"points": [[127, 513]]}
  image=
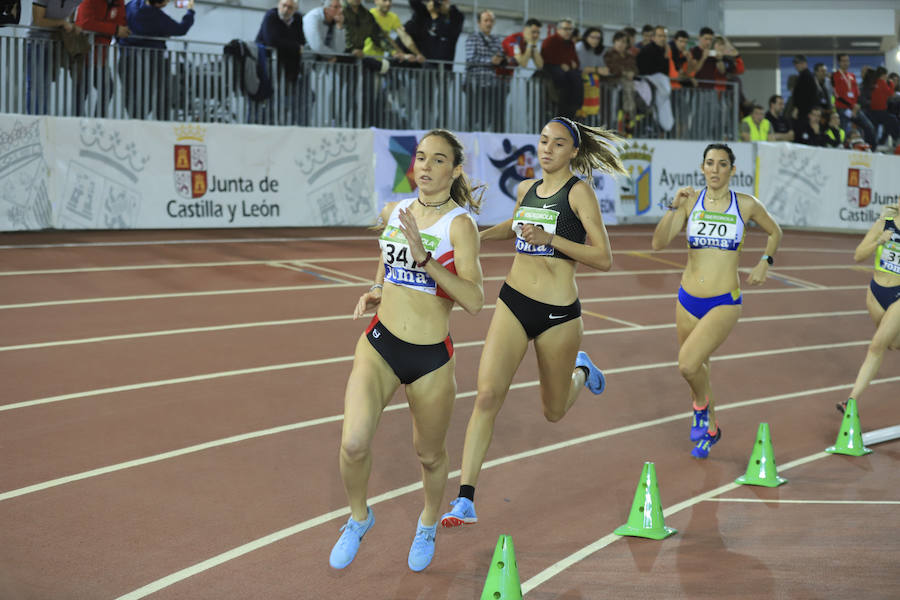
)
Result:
{"points": [[429, 249], [709, 299], [551, 222]]}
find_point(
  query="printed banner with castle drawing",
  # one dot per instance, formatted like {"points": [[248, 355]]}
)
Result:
{"points": [[819, 188], [101, 174]]}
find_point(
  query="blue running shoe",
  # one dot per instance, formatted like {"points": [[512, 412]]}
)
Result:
{"points": [[595, 381], [422, 550], [463, 513], [700, 423], [701, 450], [345, 549]]}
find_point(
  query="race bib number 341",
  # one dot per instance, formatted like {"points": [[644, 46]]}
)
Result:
{"points": [[539, 217]]}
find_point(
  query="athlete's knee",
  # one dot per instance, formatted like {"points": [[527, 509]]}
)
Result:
{"points": [[554, 414], [880, 344], [489, 400], [431, 459], [688, 368], [355, 449]]}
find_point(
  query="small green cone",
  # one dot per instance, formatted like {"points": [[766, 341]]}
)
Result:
{"points": [[761, 468], [646, 517], [502, 581], [849, 439]]}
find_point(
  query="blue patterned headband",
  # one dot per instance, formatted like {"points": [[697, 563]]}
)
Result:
{"points": [[573, 129]]}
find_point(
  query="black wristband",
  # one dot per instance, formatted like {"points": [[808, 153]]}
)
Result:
{"points": [[424, 262]]}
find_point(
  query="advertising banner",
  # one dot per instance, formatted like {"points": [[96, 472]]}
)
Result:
{"points": [[821, 188], [105, 174]]}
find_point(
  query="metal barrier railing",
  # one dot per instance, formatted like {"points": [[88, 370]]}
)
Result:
{"points": [[198, 82]]}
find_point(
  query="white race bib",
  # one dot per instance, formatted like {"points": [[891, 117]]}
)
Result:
{"points": [[539, 217]]}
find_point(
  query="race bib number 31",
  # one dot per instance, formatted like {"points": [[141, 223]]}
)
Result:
{"points": [[539, 217], [713, 230], [890, 257]]}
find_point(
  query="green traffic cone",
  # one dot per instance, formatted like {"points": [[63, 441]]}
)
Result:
{"points": [[849, 439], [761, 468], [502, 581], [646, 518]]}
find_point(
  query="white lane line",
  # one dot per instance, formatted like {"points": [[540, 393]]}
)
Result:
{"points": [[239, 551], [323, 361], [780, 501], [311, 264], [230, 326], [350, 259], [402, 406], [318, 286], [345, 238], [307, 271], [608, 539]]}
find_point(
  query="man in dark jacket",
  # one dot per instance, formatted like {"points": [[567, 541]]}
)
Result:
{"points": [[282, 29], [805, 90], [146, 18]]}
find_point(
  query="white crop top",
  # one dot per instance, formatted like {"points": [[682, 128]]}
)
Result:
{"points": [[708, 229], [400, 267]]}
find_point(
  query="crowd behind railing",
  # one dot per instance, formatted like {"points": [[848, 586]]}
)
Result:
{"points": [[348, 66]]}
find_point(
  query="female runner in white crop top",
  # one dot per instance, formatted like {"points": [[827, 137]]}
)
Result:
{"points": [[408, 341], [709, 301]]}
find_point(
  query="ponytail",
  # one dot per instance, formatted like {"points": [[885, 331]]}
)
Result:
{"points": [[596, 149]]}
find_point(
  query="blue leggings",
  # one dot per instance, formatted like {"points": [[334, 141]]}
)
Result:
{"points": [[700, 306]]}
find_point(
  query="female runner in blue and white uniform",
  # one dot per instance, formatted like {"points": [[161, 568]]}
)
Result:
{"points": [[429, 261], [883, 297], [551, 222], [709, 299]]}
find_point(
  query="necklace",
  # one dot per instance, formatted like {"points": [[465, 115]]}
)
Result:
{"points": [[436, 206]]}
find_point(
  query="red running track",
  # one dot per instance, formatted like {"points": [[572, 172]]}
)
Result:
{"points": [[171, 421]]}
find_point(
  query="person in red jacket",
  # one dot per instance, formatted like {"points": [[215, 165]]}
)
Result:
{"points": [[878, 111], [846, 100], [561, 64], [106, 18]]}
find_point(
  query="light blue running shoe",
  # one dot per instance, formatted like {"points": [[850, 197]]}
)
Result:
{"points": [[463, 513], [422, 550], [595, 381], [345, 549], [700, 424], [701, 450]]}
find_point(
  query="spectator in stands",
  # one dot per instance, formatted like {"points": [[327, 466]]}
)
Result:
{"points": [[824, 92], [323, 28], [146, 18], [282, 29], [622, 67], [561, 64], [755, 127], [40, 65], [883, 89], [811, 132], [435, 26], [486, 89], [835, 137], [646, 37], [805, 89], [678, 60], [894, 101], [523, 46], [703, 61], [590, 53], [390, 23], [653, 65], [780, 125], [846, 92], [593, 67], [631, 46], [361, 26], [10, 12], [106, 18]]}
